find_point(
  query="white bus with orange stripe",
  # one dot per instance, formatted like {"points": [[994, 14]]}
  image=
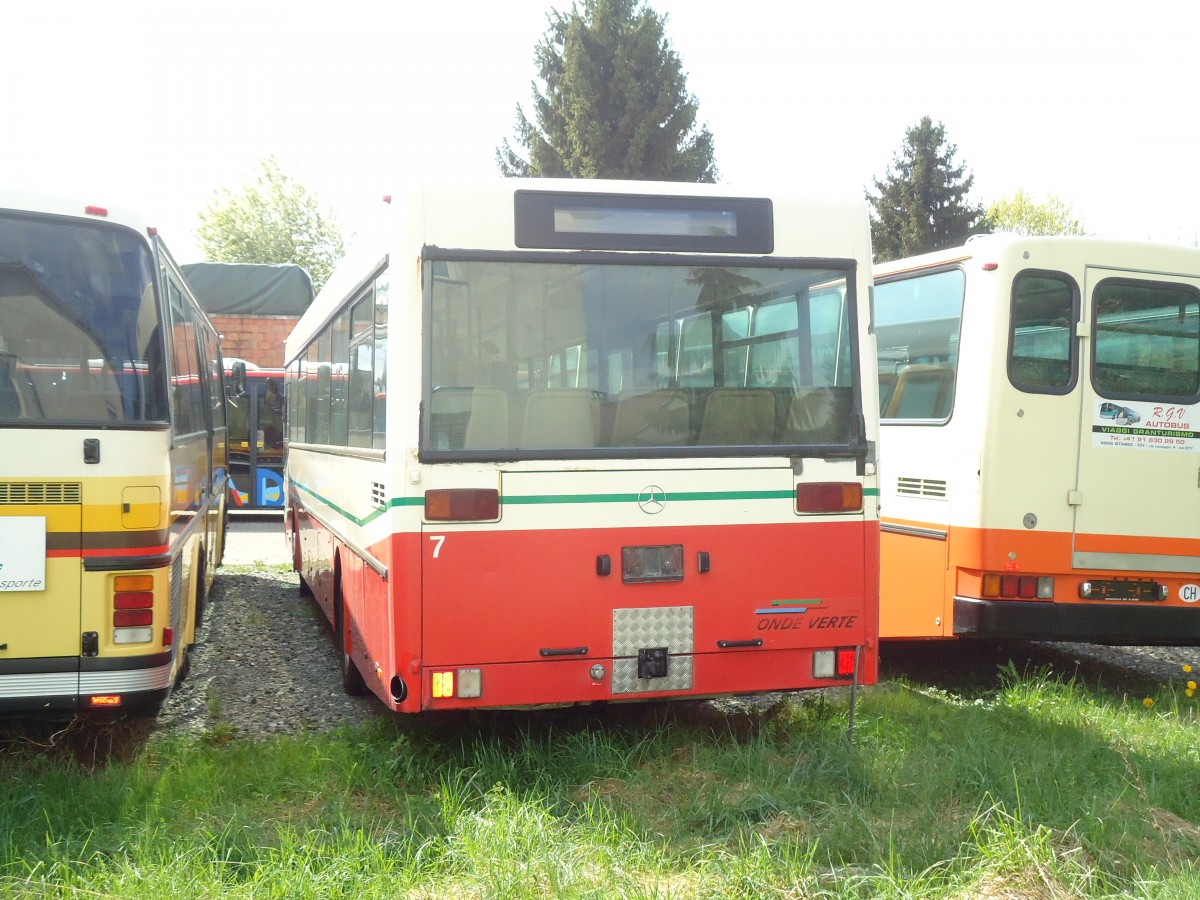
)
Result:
{"points": [[1041, 441], [569, 442], [112, 459]]}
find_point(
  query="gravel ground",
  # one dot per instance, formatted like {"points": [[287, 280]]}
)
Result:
{"points": [[264, 662]]}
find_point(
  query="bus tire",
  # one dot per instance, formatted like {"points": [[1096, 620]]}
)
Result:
{"points": [[352, 680], [185, 669]]}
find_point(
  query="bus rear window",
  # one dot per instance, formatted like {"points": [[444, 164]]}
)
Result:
{"points": [[1041, 341], [1147, 340], [79, 330], [541, 357]]}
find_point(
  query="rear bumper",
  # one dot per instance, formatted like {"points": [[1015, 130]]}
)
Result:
{"points": [[67, 683], [1128, 624], [584, 680]]}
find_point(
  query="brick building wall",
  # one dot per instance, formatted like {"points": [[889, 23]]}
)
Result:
{"points": [[256, 339]]}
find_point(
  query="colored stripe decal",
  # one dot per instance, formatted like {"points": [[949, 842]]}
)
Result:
{"points": [[546, 499], [375, 514], [632, 498], [788, 607]]}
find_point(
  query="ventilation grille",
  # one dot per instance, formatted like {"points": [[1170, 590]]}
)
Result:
{"points": [[24, 493], [921, 487], [378, 495]]}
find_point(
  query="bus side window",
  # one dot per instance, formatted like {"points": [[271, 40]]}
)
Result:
{"points": [[1041, 344], [1147, 339]]}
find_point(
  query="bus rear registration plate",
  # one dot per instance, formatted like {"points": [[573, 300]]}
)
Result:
{"points": [[1122, 590]]}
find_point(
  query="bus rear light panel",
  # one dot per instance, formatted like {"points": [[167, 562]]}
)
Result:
{"points": [[839, 663], [829, 497], [1018, 587], [133, 609], [461, 684], [463, 505]]}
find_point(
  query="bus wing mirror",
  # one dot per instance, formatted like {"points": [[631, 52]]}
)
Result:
{"points": [[239, 379]]}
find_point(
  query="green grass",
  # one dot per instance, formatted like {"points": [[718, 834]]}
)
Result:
{"points": [[1030, 787]]}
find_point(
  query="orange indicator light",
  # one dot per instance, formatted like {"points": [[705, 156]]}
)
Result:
{"points": [[443, 685]]}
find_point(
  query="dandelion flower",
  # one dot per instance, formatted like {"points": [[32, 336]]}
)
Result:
{"points": [[1186, 667], [1191, 685], [1191, 692], [1148, 702]]}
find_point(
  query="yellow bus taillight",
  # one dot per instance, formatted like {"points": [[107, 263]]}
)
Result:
{"points": [[133, 609], [123, 584]]}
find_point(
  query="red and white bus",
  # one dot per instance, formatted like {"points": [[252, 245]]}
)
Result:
{"points": [[567, 442]]}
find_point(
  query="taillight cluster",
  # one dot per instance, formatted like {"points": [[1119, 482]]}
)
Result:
{"points": [[1018, 587], [839, 663], [829, 497], [133, 609], [464, 684], [462, 505]]}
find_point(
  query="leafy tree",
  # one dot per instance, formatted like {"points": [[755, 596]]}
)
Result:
{"points": [[1021, 214], [922, 202], [615, 102], [273, 220]]}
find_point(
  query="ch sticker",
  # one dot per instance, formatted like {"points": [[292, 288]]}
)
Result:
{"points": [[1189, 593]]}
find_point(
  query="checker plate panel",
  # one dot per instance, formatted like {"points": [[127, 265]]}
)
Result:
{"points": [[644, 627]]}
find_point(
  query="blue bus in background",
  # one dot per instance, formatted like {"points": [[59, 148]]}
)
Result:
{"points": [[254, 404], [239, 294]]}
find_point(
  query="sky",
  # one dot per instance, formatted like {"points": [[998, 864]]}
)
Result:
{"points": [[159, 106]]}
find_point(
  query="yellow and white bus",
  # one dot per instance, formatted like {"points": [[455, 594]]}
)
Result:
{"points": [[568, 442], [1040, 430], [112, 459]]}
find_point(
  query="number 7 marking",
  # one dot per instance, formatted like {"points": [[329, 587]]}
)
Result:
{"points": [[438, 540]]}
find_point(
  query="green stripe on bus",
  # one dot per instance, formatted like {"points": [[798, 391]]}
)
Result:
{"points": [[549, 499], [346, 514], [510, 500]]}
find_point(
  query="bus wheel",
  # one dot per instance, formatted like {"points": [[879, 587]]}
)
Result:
{"points": [[185, 668], [352, 680]]}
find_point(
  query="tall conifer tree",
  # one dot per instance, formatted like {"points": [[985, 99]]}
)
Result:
{"points": [[922, 203], [615, 103]]}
